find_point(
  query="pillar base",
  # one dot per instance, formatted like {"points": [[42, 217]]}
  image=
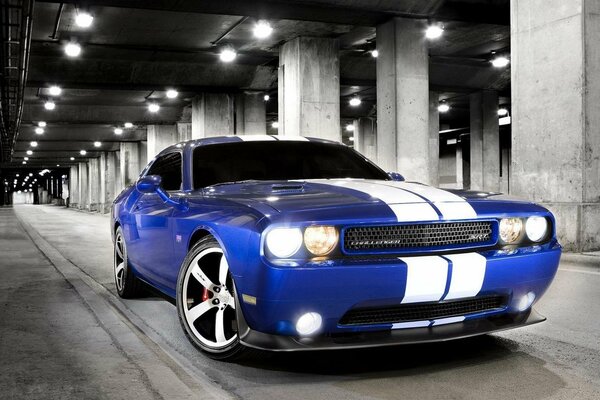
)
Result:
{"points": [[576, 225]]}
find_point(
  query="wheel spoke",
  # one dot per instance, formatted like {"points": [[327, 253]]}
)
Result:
{"points": [[119, 269], [197, 311], [220, 326], [119, 248], [223, 269], [201, 277]]}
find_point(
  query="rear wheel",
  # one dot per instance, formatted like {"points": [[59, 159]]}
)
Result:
{"points": [[206, 302], [128, 286]]}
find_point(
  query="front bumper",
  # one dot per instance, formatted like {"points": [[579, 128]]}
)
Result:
{"points": [[467, 328]]}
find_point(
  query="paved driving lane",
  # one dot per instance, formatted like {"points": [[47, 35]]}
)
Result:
{"points": [[556, 359]]}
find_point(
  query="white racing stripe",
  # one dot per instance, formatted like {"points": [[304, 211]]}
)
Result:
{"points": [[450, 205], [426, 278], [411, 324], [407, 206], [468, 272], [256, 138], [450, 320], [283, 138]]}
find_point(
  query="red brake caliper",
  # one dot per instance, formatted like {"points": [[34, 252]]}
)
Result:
{"points": [[204, 294]]}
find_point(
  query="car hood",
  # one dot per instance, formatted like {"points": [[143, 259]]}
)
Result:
{"points": [[327, 194]]}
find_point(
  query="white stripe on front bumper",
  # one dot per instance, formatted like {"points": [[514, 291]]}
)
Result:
{"points": [[468, 272], [426, 278]]}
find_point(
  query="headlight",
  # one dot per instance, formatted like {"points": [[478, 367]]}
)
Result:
{"points": [[510, 229], [284, 242], [536, 228], [320, 239]]}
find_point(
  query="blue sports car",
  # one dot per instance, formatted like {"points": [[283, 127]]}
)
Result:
{"points": [[291, 243]]}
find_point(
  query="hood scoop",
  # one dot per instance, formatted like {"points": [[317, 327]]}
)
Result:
{"points": [[287, 188]]}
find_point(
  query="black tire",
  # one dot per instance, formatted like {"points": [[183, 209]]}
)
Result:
{"points": [[206, 257], [127, 285]]}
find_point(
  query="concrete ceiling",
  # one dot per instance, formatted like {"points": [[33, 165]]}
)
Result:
{"points": [[136, 49]]}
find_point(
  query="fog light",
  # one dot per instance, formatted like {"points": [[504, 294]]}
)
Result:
{"points": [[309, 323], [526, 301]]}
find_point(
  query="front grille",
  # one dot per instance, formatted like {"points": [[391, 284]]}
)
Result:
{"points": [[417, 236], [423, 311]]}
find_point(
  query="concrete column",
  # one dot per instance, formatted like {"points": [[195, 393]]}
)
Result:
{"points": [[434, 139], [485, 141], [82, 175], [309, 88], [250, 114], [212, 115], [73, 186], [555, 77], [94, 184], [459, 165], [108, 180], [184, 131], [365, 137], [403, 99], [160, 137], [130, 162]]}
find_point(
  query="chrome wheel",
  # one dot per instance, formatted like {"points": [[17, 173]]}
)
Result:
{"points": [[120, 260], [208, 300]]}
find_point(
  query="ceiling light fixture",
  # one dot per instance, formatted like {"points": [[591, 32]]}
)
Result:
{"points": [[502, 112], [39, 131], [266, 97], [262, 29], [24, 162], [443, 107], [153, 107], [26, 158], [58, 165], [72, 49], [228, 54], [275, 124], [351, 138], [127, 125], [172, 93], [33, 144], [97, 144], [49, 105], [118, 131], [29, 152], [500, 61], [355, 101], [84, 20], [54, 90], [42, 124], [82, 152], [350, 127], [375, 53], [434, 31], [72, 158]]}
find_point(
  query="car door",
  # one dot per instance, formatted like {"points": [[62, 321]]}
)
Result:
{"points": [[153, 221]]}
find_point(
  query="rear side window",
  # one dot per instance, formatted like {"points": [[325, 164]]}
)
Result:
{"points": [[168, 167]]}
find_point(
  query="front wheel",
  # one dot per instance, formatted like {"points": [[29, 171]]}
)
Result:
{"points": [[128, 286], [206, 302]]}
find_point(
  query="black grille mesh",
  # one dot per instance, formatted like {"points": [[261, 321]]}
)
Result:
{"points": [[422, 311], [417, 235]]}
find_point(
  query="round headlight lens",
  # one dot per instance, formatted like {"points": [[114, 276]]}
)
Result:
{"points": [[284, 242], [510, 229], [320, 239], [536, 228]]}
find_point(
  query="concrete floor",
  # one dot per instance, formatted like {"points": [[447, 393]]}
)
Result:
{"points": [[65, 334]]}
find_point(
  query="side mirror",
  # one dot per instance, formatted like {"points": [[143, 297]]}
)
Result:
{"points": [[148, 184], [396, 176]]}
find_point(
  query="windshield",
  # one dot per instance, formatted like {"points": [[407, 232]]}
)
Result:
{"points": [[279, 160]]}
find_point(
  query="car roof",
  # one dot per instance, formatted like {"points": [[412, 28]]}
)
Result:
{"points": [[244, 138]]}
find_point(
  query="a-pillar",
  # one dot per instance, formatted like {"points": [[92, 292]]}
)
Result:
{"points": [[485, 141], [94, 184], [365, 137], [129, 161], [73, 186], [108, 180], [160, 137], [309, 88], [403, 99], [82, 179], [212, 115], [555, 77], [250, 114]]}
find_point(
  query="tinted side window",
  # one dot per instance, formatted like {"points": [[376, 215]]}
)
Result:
{"points": [[168, 167]]}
